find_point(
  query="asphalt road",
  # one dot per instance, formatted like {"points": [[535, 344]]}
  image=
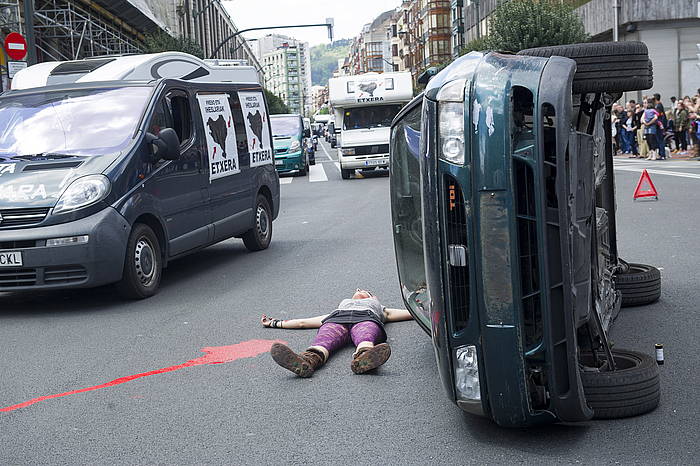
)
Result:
{"points": [[331, 237]]}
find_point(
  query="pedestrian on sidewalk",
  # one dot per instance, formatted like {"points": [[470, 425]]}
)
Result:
{"points": [[629, 135], [662, 123], [360, 319], [682, 122], [641, 142], [651, 129]]}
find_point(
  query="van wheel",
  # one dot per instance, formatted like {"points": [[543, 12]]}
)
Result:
{"points": [[143, 264], [259, 237], [305, 169], [604, 66], [631, 390], [639, 284], [345, 173]]}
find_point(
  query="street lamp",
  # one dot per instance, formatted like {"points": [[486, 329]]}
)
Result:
{"points": [[328, 25]]}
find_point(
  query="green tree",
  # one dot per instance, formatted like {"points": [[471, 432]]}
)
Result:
{"points": [[480, 44], [324, 111], [164, 42], [275, 105], [522, 24]]}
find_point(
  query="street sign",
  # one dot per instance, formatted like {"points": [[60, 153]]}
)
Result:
{"points": [[14, 66], [15, 46]]}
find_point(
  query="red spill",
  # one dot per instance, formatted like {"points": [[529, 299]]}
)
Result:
{"points": [[213, 355]]}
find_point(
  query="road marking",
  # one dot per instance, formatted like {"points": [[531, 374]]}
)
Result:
{"points": [[286, 180], [317, 173], [337, 165], [213, 355], [660, 172], [324, 150]]}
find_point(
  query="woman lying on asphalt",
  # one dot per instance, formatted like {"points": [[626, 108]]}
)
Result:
{"points": [[360, 319]]}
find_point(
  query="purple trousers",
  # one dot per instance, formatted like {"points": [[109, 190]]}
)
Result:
{"points": [[332, 336]]}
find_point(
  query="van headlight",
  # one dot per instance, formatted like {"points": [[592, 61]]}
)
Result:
{"points": [[295, 146], [467, 373], [451, 121], [82, 193], [347, 151]]}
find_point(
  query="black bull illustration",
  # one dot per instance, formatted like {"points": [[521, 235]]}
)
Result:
{"points": [[218, 130]]}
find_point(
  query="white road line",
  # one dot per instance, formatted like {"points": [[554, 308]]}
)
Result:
{"points": [[660, 172], [337, 165], [324, 150], [286, 180], [317, 173]]}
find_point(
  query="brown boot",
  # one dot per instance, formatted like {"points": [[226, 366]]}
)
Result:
{"points": [[303, 364], [370, 358]]}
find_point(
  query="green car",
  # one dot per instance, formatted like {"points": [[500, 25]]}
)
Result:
{"points": [[288, 136], [503, 211]]}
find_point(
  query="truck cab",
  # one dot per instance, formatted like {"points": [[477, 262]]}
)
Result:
{"points": [[364, 106]]}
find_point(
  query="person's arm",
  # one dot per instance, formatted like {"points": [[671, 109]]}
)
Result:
{"points": [[311, 322], [396, 315]]}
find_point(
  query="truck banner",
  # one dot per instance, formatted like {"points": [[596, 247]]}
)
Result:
{"points": [[220, 134], [256, 127], [370, 89]]}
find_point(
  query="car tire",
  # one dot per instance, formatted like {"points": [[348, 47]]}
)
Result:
{"points": [[604, 66], [640, 284], [143, 264], [259, 237], [346, 173], [305, 168], [631, 390]]}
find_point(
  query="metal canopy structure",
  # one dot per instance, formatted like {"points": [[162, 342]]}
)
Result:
{"points": [[65, 30]]}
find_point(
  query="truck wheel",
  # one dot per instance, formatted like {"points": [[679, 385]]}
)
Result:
{"points": [[259, 237], [604, 66], [631, 390], [640, 284], [346, 173], [143, 264]]}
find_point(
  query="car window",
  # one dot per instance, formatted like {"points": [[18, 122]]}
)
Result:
{"points": [[181, 111]]}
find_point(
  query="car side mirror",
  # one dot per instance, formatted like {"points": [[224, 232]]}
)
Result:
{"points": [[307, 133], [165, 146]]}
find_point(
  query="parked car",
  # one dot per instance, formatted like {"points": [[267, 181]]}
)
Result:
{"points": [[503, 210], [111, 168]]}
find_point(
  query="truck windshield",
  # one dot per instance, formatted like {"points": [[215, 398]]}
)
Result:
{"points": [[75, 122], [285, 127], [406, 212], [375, 116]]}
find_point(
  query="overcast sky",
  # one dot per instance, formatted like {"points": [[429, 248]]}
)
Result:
{"points": [[349, 16]]}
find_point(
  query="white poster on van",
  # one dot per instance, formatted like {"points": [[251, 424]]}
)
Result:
{"points": [[220, 134], [256, 127], [372, 89]]}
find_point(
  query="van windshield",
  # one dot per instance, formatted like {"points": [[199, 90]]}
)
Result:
{"points": [[376, 116], [285, 127], [79, 122]]}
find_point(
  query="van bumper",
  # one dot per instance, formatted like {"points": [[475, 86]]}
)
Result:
{"points": [[291, 162], [363, 162], [98, 262]]}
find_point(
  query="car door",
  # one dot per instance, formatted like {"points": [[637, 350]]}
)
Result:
{"points": [[230, 198], [180, 186]]}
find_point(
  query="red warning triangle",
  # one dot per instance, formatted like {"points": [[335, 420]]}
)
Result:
{"points": [[645, 187]]}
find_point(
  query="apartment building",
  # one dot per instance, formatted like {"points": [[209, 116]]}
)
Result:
{"points": [[371, 49], [284, 76], [272, 43]]}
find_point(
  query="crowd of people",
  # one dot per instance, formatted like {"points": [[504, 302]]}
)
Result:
{"points": [[648, 130]]}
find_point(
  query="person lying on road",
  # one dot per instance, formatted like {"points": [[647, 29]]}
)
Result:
{"points": [[360, 320]]}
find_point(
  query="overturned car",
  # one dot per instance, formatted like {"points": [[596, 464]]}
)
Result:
{"points": [[503, 210]]}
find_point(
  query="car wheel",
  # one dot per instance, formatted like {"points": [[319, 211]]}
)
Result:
{"points": [[143, 264], [346, 173], [304, 169], [639, 284], [631, 390], [604, 66], [259, 237]]}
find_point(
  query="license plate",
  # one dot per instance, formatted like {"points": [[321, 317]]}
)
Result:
{"points": [[279, 162], [11, 259], [375, 162]]}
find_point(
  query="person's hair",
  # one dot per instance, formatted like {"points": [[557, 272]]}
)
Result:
{"points": [[650, 103], [657, 97], [633, 102], [673, 99]]}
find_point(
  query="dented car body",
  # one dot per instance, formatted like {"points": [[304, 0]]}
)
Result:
{"points": [[504, 229]]}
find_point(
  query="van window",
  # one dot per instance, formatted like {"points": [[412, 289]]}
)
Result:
{"points": [[239, 125], [161, 118], [285, 127], [182, 115]]}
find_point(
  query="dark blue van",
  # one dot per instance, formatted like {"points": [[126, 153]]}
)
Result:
{"points": [[110, 168]]}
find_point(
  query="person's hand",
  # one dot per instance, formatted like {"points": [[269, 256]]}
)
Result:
{"points": [[265, 321]]}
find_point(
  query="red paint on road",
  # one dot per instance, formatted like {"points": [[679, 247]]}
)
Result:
{"points": [[213, 355]]}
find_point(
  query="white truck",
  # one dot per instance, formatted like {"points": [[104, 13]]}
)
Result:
{"points": [[363, 107]]}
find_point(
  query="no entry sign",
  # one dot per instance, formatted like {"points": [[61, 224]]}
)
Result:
{"points": [[15, 46]]}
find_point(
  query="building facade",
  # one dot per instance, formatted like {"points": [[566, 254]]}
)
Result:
{"points": [[670, 29], [284, 78], [272, 44]]}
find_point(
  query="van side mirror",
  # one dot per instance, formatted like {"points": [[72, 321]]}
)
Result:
{"points": [[165, 146], [307, 133]]}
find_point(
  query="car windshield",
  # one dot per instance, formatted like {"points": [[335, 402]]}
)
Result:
{"points": [[84, 122], [376, 116], [285, 127]]}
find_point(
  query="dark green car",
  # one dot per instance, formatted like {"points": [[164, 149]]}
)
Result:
{"points": [[503, 212]]}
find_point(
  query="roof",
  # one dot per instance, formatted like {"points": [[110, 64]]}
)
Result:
{"points": [[144, 67], [135, 13]]}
